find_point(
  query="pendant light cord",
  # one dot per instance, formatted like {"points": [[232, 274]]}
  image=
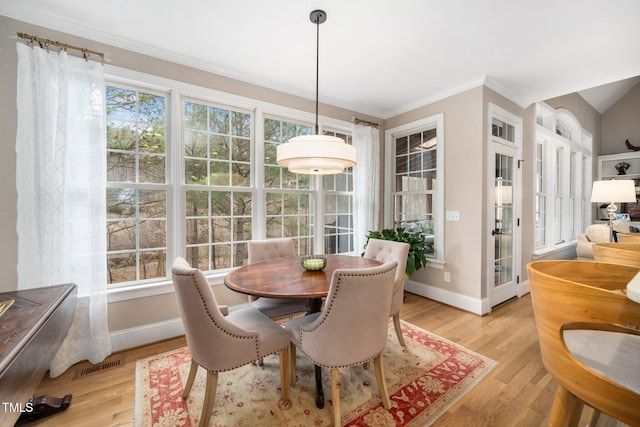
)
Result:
{"points": [[317, 67]]}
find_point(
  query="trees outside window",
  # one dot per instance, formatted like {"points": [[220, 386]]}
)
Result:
{"points": [[136, 184], [187, 176]]}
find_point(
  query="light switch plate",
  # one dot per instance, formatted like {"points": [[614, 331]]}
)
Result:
{"points": [[453, 215]]}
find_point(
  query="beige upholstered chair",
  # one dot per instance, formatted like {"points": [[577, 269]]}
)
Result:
{"points": [[618, 253], [386, 251], [595, 233], [219, 343], [261, 250], [579, 310], [350, 330]]}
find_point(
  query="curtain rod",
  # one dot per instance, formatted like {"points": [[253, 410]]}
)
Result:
{"points": [[46, 44], [364, 122]]}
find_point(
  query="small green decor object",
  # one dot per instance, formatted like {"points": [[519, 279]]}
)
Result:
{"points": [[416, 258], [313, 262]]}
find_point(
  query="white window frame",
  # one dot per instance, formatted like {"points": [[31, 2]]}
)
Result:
{"points": [[348, 193], [567, 171], [436, 121], [177, 92]]}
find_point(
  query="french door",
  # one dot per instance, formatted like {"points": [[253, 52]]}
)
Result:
{"points": [[503, 214]]}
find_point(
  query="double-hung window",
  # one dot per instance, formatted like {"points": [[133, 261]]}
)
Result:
{"points": [[563, 155], [137, 186], [198, 178], [414, 154], [338, 207], [217, 176], [289, 196]]}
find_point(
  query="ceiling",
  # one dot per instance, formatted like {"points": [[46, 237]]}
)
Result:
{"points": [[377, 57]]}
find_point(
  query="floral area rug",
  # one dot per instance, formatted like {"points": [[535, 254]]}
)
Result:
{"points": [[424, 379]]}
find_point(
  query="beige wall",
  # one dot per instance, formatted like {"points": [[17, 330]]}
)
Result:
{"points": [[8, 195], [465, 187], [463, 146], [621, 122]]}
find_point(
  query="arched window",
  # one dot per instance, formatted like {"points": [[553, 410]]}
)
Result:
{"points": [[563, 155]]}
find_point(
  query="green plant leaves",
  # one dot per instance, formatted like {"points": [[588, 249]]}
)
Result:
{"points": [[416, 258]]}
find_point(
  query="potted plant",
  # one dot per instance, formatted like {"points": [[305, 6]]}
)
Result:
{"points": [[416, 258]]}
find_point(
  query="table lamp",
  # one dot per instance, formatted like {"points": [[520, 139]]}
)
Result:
{"points": [[611, 191]]}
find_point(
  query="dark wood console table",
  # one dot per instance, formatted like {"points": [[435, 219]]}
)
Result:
{"points": [[31, 332]]}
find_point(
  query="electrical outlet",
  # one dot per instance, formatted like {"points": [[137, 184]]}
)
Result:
{"points": [[447, 276]]}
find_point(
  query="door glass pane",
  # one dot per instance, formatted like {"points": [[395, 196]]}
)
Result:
{"points": [[503, 232]]}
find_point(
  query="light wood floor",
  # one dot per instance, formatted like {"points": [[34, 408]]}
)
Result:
{"points": [[519, 392]]}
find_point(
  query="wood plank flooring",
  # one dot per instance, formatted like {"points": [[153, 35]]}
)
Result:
{"points": [[519, 392]]}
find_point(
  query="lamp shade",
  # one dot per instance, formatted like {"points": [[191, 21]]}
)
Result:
{"points": [[613, 190], [316, 155]]}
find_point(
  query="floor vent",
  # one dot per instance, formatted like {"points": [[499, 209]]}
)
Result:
{"points": [[93, 369]]}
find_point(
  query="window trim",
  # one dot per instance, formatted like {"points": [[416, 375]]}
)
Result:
{"points": [[436, 120]]}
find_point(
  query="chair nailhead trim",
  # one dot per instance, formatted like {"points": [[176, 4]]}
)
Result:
{"points": [[220, 327], [327, 310]]}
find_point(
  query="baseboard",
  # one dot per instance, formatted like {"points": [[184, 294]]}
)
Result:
{"points": [[147, 334], [463, 302], [153, 332]]}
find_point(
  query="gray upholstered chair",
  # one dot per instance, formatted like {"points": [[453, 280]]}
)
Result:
{"points": [[221, 343], [350, 330], [261, 250], [385, 251]]}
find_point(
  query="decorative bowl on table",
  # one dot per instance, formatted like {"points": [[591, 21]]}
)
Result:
{"points": [[313, 262]]}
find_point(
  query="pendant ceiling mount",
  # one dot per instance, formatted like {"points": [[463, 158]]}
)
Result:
{"points": [[316, 154], [318, 16]]}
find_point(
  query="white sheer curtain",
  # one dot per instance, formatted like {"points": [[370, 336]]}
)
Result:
{"points": [[60, 178], [366, 183]]}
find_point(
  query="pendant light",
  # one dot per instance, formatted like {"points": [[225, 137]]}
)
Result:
{"points": [[316, 154]]}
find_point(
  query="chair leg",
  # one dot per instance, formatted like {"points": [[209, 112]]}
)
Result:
{"points": [[382, 383], [209, 398], [593, 418], [192, 375], [285, 371], [396, 326], [574, 419], [292, 364], [335, 396], [563, 407]]}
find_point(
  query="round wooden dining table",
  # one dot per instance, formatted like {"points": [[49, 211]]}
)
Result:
{"points": [[286, 278]]}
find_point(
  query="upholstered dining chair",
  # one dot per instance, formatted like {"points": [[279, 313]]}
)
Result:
{"points": [[385, 251], [618, 253], [580, 310], [261, 250], [350, 330], [221, 343]]}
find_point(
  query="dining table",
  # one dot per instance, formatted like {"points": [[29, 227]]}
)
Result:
{"points": [[285, 277]]}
